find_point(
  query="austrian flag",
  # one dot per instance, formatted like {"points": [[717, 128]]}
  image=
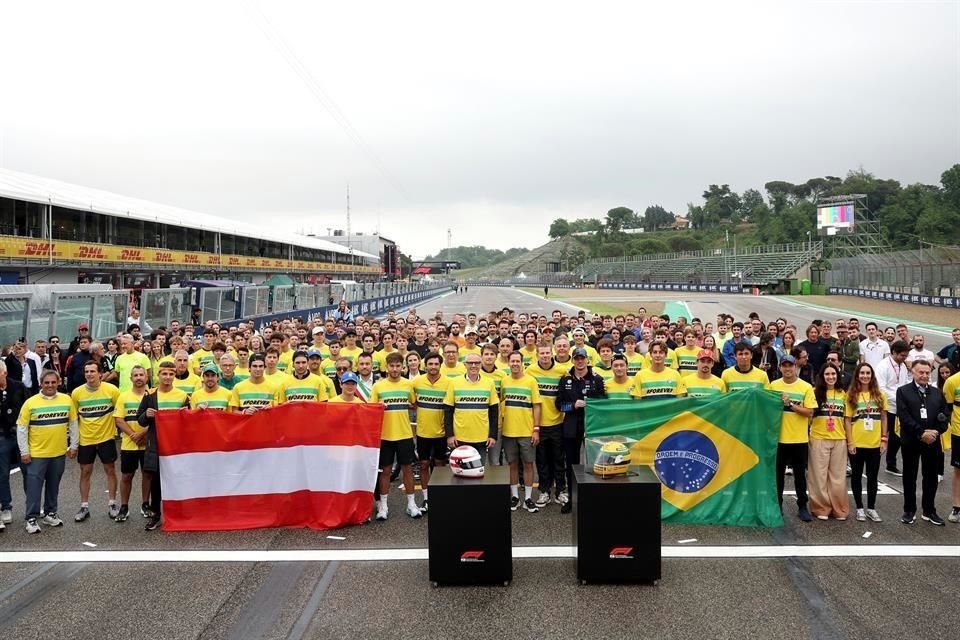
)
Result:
{"points": [[302, 464]]}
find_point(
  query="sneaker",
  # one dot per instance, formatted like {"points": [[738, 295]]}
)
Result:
{"points": [[788, 471], [873, 515], [145, 510], [82, 514], [894, 471], [939, 478], [933, 518], [6, 516], [861, 515], [849, 471], [954, 515], [423, 507], [113, 510], [514, 503], [153, 523], [804, 514], [2, 526], [414, 512], [908, 517], [823, 517], [566, 508], [52, 520], [841, 518], [562, 498], [382, 512], [32, 526], [530, 505], [122, 514], [543, 500]]}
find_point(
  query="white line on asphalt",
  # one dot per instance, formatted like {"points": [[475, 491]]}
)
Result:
{"points": [[556, 302], [882, 490], [863, 318], [356, 555]]}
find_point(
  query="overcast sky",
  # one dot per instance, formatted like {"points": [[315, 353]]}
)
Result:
{"points": [[490, 119]]}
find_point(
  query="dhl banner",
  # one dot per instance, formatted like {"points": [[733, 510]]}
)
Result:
{"points": [[65, 251]]}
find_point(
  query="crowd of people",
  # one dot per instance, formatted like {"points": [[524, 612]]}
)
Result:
{"points": [[513, 385]]}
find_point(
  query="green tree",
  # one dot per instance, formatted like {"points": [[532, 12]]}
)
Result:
{"points": [[656, 217], [721, 201], [898, 216], [951, 186], [620, 218], [649, 246], [585, 224], [778, 191], [559, 228], [683, 242]]}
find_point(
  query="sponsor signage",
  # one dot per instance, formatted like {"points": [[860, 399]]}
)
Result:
{"points": [[946, 302]]}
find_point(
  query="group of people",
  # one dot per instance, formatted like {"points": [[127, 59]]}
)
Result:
{"points": [[513, 385]]}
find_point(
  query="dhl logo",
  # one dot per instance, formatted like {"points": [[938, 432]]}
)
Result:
{"points": [[213, 259], [251, 262], [39, 249], [86, 252], [191, 258], [233, 261], [131, 255], [163, 256]]}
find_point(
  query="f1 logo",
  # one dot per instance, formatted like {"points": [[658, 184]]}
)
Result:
{"points": [[472, 556], [621, 553]]}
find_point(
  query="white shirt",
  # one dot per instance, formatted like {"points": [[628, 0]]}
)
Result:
{"points": [[923, 354], [874, 352], [890, 377]]}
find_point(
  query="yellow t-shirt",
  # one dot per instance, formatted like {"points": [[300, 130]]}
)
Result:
{"points": [[658, 384], [827, 423], [126, 409], [592, 354], [429, 397], [519, 396], [251, 394], [338, 399], [470, 401], [380, 360], [200, 358], [496, 377], [951, 395], [453, 372], [698, 387], [467, 351], [502, 367], [351, 354], [529, 355], [396, 398], [669, 361], [793, 426], [285, 361], [618, 390], [687, 359], [47, 421], [95, 412], [188, 384], [735, 380], [861, 415], [310, 389], [634, 364], [171, 400], [548, 380], [219, 400], [329, 366], [603, 372]]}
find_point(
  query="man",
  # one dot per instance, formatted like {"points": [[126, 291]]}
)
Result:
{"points": [[469, 345], [419, 342], [452, 367], [12, 397], [834, 358], [429, 392], [471, 410], [604, 365], [128, 359], [849, 349], [529, 349], [301, 385], [380, 356], [618, 387], [922, 412], [891, 374], [743, 375], [83, 332], [349, 350], [343, 312], [365, 375], [40, 351], [634, 358], [329, 363], [687, 354], [799, 403], [816, 348], [951, 352], [47, 433], [210, 395], [918, 352], [256, 392], [831, 341], [873, 350], [703, 384], [549, 452], [132, 444], [348, 386], [727, 351], [314, 362], [520, 395], [166, 398], [657, 380], [951, 396], [23, 369], [184, 379], [903, 333], [578, 384], [396, 439], [204, 355], [95, 403], [271, 369], [580, 341], [229, 376]]}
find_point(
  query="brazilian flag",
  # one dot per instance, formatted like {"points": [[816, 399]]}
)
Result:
{"points": [[715, 456]]}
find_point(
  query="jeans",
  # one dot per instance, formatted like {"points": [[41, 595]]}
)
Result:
{"points": [[8, 451], [794, 455], [42, 476]]}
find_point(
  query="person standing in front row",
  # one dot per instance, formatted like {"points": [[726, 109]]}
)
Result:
{"points": [[866, 432], [799, 403], [922, 413]]}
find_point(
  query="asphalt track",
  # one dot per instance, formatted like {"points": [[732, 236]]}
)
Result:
{"points": [[816, 580]]}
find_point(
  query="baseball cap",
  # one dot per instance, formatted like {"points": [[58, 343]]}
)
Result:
{"points": [[350, 332], [469, 331], [578, 352], [210, 368], [705, 354], [83, 327], [317, 330], [314, 352], [349, 376], [787, 360], [580, 330]]}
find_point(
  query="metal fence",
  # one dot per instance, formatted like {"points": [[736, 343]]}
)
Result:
{"points": [[218, 303], [158, 307], [929, 271]]}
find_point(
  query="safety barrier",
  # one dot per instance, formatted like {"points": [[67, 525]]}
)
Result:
{"points": [[947, 302]]}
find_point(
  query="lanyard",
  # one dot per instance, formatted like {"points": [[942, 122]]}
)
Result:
{"points": [[895, 369]]}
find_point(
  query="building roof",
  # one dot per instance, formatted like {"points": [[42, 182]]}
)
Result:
{"points": [[30, 188]]}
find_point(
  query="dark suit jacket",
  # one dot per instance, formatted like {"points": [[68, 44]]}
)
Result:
{"points": [[15, 371], [908, 412], [10, 409]]}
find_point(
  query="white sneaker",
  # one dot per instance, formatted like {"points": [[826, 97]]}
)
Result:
{"points": [[823, 517], [52, 520], [425, 506], [382, 512], [543, 500], [873, 515], [562, 498], [6, 516], [954, 515], [2, 526], [861, 515], [413, 512], [32, 526]]}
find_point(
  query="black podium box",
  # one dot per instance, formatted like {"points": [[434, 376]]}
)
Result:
{"points": [[616, 526], [468, 528]]}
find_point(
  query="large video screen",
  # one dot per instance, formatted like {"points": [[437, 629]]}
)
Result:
{"points": [[835, 218]]}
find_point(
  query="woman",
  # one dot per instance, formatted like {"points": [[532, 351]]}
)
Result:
{"points": [[944, 371], [146, 348], [412, 362], [804, 369], [256, 344], [113, 350], [827, 470], [765, 357], [787, 342], [710, 344], [865, 424], [156, 357]]}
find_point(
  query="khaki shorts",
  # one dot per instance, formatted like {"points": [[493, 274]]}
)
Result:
{"points": [[518, 449]]}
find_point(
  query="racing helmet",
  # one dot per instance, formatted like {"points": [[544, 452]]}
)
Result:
{"points": [[613, 459], [465, 461]]}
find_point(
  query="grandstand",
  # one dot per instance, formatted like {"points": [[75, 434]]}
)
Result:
{"points": [[752, 266], [542, 264], [56, 232]]}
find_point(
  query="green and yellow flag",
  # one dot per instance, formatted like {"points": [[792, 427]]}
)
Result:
{"points": [[715, 456]]}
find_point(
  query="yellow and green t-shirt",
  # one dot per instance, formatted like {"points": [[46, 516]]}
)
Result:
{"points": [[618, 390], [468, 351], [793, 426], [429, 397], [285, 361], [173, 399], [47, 421], [329, 366], [251, 394], [470, 402], [309, 389], [687, 359], [126, 409], [548, 380], [219, 400], [669, 361], [529, 355], [199, 359], [338, 399], [188, 384], [457, 371], [603, 371], [698, 387], [95, 412], [951, 395], [634, 364], [519, 398], [657, 384], [592, 354], [827, 423], [396, 397], [870, 409], [735, 380], [496, 377], [351, 354], [502, 367]]}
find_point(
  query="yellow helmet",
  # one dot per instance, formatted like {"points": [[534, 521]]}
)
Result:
{"points": [[613, 459]]}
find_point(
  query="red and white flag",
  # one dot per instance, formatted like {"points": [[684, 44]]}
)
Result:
{"points": [[302, 464]]}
